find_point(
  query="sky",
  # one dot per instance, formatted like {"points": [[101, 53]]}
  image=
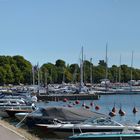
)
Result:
{"points": [[47, 30]]}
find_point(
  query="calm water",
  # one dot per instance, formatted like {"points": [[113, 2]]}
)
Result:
{"points": [[106, 103]]}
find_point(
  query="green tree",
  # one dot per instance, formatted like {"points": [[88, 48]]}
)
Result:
{"points": [[2, 76], [60, 63], [9, 74], [17, 75]]}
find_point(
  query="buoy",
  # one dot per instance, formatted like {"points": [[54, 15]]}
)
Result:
{"points": [[77, 101], [65, 100], [121, 112], [135, 110], [91, 104], [73, 103], [97, 107], [114, 109], [87, 107], [69, 105], [83, 105], [112, 114]]}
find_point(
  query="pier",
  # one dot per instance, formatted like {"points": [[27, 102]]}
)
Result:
{"points": [[61, 97]]}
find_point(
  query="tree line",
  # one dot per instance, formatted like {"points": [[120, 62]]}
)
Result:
{"points": [[17, 70]]}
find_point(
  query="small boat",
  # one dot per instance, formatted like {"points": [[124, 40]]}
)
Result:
{"points": [[106, 136], [11, 112], [96, 124], [10, 104]]}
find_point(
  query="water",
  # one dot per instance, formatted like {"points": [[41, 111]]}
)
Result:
{"points": [[126, 102], [107, 102]]}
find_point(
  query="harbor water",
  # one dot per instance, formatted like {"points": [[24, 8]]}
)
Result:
{"points": [[107, 102]]}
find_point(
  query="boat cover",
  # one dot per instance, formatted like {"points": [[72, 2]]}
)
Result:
{"points": [[70, 114]]}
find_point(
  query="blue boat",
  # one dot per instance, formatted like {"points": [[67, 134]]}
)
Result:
{"points": [[105, 136]]}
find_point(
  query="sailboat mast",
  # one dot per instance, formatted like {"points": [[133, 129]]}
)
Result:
{"points": [[106, 76], [46, 76], [132, 66], [120, 69], [91, 70], [38, 75], [81, 70], [33, 72], [63, 81]]}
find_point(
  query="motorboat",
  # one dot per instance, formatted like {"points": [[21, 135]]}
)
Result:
{"points": [[21, 109], [101, 124], [13, 104], [106, 136], [9, 104]]}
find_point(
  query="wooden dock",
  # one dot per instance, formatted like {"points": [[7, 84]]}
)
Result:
{"points": [[60, 97]]}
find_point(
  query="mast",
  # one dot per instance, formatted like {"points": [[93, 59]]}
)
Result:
{"points": [[46, 82], [81, 69], [91, 71], [106, 59], [84, 70], [63, 80], [132, 66], [33, 72], [120, 69], [38, 75], [106, 71]]}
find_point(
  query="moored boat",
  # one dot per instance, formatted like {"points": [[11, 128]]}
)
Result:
{"points": [[105, 136], [65, 114], [91, 125], [12, 112]]}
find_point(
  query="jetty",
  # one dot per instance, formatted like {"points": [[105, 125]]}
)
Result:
{"points": [[61, 97]]}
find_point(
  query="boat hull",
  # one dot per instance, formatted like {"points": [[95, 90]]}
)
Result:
{"points": [[105, 137], [12, 112], [65, 130]]}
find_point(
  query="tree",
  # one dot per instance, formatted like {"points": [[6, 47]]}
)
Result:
{"points": [[2, 76], [9, 74], [74, 70], [102, 63], [50, 71], [17, 75], [60, 63], [25, 67]]}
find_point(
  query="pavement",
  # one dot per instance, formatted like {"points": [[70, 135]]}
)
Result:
{"points": [[8, 134]]}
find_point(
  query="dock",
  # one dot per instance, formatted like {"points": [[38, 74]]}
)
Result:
{"points": [[61, 97]]}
